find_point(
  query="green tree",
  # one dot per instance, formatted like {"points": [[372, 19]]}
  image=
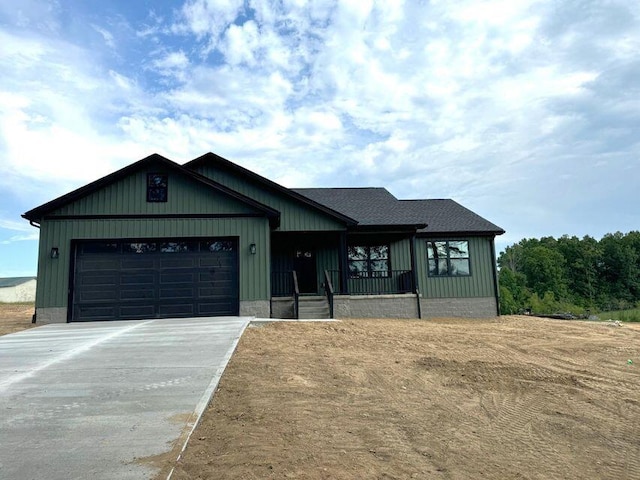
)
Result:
{"points": [[544, 271], [582, 258]]}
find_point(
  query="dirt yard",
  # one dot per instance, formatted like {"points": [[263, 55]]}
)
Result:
{"points": [[15, 317], [515, 398]]}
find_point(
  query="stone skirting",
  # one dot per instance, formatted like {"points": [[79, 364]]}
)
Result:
{"points": [[254, 308], [405, 306], [282, 307], [51, 315], [346, 306], [470, 307], [375, 306]]}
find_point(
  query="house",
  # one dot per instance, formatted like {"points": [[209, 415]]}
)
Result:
{"points": [[158, 239], [17, 289]]}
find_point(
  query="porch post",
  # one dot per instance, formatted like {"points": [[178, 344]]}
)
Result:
{"points": [[344, 267], [414, 273]]}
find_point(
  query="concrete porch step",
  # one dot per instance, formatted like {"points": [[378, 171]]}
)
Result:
{"points": [[313, 307]]}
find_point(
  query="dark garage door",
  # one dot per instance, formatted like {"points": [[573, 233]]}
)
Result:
{"points": [[128, 280]]}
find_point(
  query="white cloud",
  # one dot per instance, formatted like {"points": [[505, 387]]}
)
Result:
{"points": [[106, 35], [14, 225], [22, 238], [208, 18], [483, 101], [241, 43]]}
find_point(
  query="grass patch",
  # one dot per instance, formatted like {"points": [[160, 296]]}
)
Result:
{"points": [[632, 315]]}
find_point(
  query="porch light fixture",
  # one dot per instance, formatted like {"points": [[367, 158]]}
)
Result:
{"points": [[252, 248], [54, 252]]}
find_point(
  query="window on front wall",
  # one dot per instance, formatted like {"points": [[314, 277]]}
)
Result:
{"points": [[369, 261], [157, 187], [448, 258]]}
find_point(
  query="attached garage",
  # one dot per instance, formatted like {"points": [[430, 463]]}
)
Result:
{"points": [[143, 278]]}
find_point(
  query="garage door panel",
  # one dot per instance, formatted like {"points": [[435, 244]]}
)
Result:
{"points": [[175, 293], [179, 310], [176, 277], [100, 264], [138, 278], [99, 294], [100, 278], [99, 312], [178, 261], [151, 279], [214, 308], [218, 260], [136, 263], [208, 292], [138, 294]]}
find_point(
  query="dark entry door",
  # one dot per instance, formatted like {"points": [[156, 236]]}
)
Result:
{"points": [[304, 263], [126, 280]]}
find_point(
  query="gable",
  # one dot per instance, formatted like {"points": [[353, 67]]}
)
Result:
{"points": [[129, 193], [297, 214], [128, 196]]}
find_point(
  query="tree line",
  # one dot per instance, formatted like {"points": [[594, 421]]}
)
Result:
{"points": [[571, 274]]}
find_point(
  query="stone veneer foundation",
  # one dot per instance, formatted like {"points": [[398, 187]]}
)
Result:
{"points": [[51, 315], [471, 307]]}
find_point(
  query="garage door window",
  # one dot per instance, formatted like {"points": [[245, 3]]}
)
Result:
{"points": [[178, 247], [219, 246], [141, 247]]}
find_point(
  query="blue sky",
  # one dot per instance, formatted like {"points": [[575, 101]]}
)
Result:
{"points": [[527, 112]]}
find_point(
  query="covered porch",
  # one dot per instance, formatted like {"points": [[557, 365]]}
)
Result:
{"points": [[314, 273]]}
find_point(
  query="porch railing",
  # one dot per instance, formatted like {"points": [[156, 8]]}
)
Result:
{"points": [[328, 291], [375, 282], [296, 295]]}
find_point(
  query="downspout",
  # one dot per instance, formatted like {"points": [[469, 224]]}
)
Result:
{"points": [[33, 224], [496, 287], [414, 273]]}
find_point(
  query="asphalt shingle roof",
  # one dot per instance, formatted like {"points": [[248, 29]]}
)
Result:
{"points": [[369, 206], [377, 206], [448, 216]]}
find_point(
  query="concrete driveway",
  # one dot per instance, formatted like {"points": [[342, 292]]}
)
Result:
{"points": [[88, 401]]}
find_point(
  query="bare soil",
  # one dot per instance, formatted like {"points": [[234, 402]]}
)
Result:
{"points": [[512, 398], [15, 317]]}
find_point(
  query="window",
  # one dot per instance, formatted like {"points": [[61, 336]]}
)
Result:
{"points": [[157, 186], [448, 258], [139, 247], [369, 261]]}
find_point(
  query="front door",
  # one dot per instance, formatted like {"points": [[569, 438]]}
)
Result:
{"points": [[304, 263]]}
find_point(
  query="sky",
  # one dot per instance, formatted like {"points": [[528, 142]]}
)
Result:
{"points": [[527, 112]]}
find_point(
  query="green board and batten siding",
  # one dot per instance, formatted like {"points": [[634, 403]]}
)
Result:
{"points": [[54, 273], [479, 284], [400, 254], [295, 215], [128, 197]]}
